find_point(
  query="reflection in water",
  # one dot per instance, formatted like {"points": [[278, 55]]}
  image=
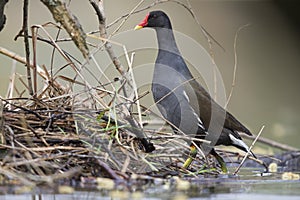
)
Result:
{"points": [[246, 186]]}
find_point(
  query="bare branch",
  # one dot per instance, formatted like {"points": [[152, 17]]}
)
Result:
{"points": [[26, 41], [103, 34], [70, 23]]}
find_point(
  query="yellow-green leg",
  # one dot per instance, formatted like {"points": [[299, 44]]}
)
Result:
{"points": [[192, 155], [220, 161]]}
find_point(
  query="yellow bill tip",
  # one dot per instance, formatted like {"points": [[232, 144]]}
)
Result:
{"points": [[138, 27]]}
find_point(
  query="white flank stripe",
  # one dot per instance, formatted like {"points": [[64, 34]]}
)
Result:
{"points": [[186, 96], [200, 124]]}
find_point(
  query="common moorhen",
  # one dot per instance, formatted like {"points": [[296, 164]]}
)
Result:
{"points": [[183, 102]]}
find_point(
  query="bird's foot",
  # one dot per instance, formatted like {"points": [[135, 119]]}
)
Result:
{"points": [[224, 168], [220, 161]]}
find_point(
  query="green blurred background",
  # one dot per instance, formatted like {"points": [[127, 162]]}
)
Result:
{"points": [[268, 83]]}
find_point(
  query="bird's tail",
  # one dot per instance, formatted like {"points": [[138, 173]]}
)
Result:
{"points": [[240, 144]]}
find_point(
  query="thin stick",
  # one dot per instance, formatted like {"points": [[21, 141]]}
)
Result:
{"points": [[273, 143], [41, 72], [34, 41], [26, 41], [110, 171], [10, 89], [125, 19], [130, 62], [98, 7], [209, 41], [247, 153], [235, 63]]}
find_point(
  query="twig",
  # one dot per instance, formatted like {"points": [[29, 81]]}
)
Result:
{"points": [[34, 41], [130, 62], [110, 171], [235, 63], [98, 7], [22, 60], [26, 41], [10, 89], [42, 149], [249, 150], [125, 19], [273, 143], [207, 36]]}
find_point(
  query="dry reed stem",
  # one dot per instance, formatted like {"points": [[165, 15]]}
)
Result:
{"points": [[249, 150], [235, 63], [22, 60]]}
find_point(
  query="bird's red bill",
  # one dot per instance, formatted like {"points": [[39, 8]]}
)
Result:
{"points": [[143, 23]]}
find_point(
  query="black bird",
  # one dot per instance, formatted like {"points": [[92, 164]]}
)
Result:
{"points": [[183, 102]]}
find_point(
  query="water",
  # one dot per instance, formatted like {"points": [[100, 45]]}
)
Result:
{"points": [[248, 185]]}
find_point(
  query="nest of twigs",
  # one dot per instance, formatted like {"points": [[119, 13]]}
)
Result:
{"points": [[50, 137]]}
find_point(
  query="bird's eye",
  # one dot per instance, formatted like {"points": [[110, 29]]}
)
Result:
{"points": [[154, 16]]}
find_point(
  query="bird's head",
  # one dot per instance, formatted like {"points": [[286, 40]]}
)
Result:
{"points": [[155, 19]]}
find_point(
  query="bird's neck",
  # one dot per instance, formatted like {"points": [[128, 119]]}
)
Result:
{"points": [[166, 40]]}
